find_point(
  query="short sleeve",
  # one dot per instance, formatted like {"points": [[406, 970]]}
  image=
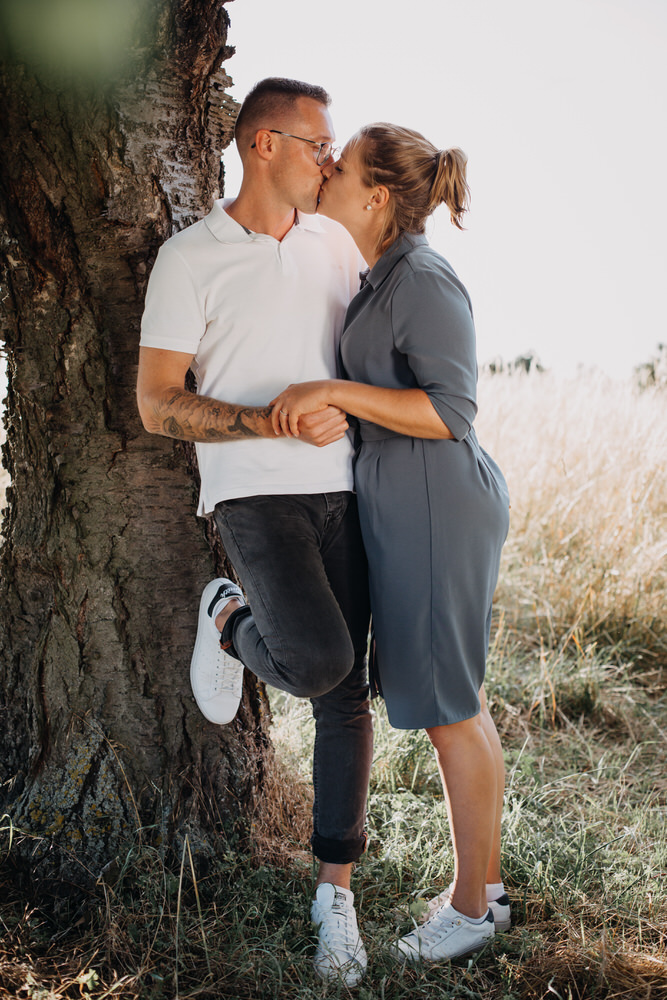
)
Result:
{"points": [[433, 327], [173, 318]]}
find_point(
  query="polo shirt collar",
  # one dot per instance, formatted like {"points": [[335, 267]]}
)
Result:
{"points": [[228, 230], [311, 223], [223, 227], [391, 257]]}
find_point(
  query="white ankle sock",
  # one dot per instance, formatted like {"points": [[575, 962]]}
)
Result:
{"points": [[494, 890], [221, 605]]}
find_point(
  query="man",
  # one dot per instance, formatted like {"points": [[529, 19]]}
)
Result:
{"points": [[252, 298]]}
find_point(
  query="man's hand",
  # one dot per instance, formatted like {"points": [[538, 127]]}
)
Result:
{"points": [[323, 427]]}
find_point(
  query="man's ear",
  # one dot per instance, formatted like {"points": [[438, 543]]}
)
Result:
{"points": [[264, 143]]}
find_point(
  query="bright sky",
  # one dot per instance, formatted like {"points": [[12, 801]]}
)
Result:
{"points": [[562, 110]]}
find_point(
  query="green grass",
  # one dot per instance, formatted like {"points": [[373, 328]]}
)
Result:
{"points": [[585, 856]]}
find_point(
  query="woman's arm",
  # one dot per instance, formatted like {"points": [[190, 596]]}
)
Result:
{"points": [[406, 411]]}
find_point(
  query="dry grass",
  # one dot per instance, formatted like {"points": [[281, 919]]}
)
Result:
{"points": [[586, 463], [282, 826]]}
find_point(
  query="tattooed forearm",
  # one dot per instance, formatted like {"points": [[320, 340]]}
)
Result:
{"points": [[246, 419], [189, 417]]}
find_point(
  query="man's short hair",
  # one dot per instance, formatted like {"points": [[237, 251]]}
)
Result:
{"points": [[269, 101]]}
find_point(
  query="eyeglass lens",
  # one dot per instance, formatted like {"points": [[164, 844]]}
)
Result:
{"points": [[324, 153]]}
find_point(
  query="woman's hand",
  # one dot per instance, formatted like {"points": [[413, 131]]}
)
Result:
{"points": [[296, 401]]}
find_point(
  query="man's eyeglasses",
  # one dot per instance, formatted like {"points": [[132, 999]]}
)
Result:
{"points": [[325, 150]]}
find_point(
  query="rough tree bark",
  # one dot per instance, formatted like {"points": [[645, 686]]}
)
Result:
{"points": [[103, 557]]}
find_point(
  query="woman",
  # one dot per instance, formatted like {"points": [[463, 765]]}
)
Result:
{"points": [[434, 507]]}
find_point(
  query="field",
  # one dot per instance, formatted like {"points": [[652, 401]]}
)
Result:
{"points": [[577, 683]]}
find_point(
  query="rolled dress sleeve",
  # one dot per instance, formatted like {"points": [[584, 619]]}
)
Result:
{"points": [[433, 327], [173, 318]]}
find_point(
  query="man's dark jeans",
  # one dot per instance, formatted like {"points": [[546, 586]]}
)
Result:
{"points": [[301, 562]]}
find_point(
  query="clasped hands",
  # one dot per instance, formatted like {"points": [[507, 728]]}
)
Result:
{"points": [[304, 411]]}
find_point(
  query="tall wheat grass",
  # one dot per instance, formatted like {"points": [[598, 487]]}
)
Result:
{"points": [[586, 463]]}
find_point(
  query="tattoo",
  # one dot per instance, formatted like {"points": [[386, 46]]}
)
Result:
{"points": [[241, 429], [189, 417]]}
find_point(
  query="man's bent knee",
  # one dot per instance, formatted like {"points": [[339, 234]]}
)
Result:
{"points": [[318, 678]]}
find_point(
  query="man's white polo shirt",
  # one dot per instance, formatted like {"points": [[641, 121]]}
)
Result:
{"points": [[257, 315]]}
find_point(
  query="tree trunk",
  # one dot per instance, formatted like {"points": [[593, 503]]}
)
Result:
{"points": [[104, 559]]}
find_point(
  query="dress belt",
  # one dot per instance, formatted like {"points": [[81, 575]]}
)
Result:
{"points": [[373, 432]]}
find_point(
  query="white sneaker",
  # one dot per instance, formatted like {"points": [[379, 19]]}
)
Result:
{"points": [[339, 953], [216, 676], [500, 908], [447, 934]]}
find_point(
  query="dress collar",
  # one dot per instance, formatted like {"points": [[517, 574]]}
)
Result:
{"points": [[391, 257]]}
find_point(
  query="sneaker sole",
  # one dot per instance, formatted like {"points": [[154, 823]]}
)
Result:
{"points": [[423, 960], [351, 973]]}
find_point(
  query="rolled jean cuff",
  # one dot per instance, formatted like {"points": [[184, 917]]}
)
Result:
{"points": [[338, 852], [227, 634]]}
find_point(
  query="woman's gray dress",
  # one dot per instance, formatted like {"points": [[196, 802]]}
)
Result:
{"points": [[434, 513]]}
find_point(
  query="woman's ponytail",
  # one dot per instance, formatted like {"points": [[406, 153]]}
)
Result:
{"points": [[449, 184]]}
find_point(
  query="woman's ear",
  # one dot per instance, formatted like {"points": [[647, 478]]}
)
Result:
{"points": [[380, 196]]}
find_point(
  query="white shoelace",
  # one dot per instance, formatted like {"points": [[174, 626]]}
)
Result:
{"points": [[228, 677], [435, 925], [337, 930]]}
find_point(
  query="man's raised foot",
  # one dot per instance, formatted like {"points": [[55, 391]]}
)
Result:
{"points": [[215, 675]]}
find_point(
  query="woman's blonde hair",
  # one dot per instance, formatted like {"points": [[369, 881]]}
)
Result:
{"points": [[418, 176]]}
